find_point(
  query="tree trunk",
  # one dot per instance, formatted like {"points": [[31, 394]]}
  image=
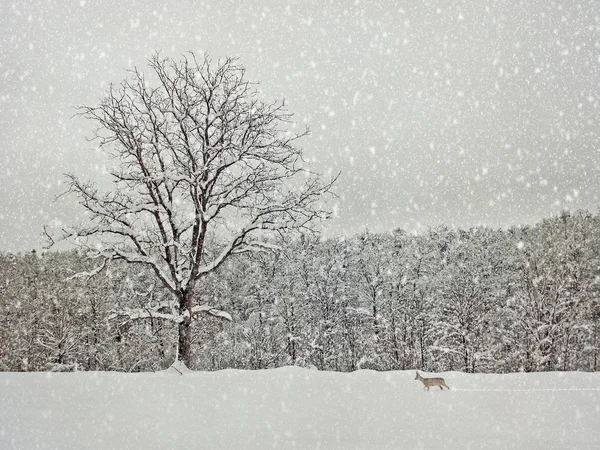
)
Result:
{"points": [[566, 351], [595, 345], [465, 354], [184, 352], [185, 343], [422, 343]]}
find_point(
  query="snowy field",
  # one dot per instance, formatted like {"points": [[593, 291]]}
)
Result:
{"points": [[297, 408]]}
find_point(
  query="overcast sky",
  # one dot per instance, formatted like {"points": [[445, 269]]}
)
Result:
{"points": [[443, 112]]}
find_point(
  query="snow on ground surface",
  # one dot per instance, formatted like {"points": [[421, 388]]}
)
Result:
{"points": [[297, 408]]}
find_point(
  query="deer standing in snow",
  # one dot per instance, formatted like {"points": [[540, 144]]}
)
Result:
{"points": [[428, 382]]}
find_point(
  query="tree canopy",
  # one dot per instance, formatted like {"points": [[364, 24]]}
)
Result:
{"points": [[203, 169]]}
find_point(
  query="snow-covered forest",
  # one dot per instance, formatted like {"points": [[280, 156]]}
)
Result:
{"points": [[478, 300]]}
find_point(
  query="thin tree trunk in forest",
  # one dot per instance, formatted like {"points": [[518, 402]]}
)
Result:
{"points": [[422, 343], [465, 353], [566, 351], [396, 346], [595, 345]]}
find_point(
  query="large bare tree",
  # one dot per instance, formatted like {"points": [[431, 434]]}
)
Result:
{"points": [[204, 169]]}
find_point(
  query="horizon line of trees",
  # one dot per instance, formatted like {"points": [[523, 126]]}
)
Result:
{"points": [[478, 300]]}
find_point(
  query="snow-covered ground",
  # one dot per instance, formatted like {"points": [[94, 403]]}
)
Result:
{"points": [[297, 408]]}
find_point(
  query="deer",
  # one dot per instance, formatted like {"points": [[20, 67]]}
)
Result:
{"points": [[428, 382]]}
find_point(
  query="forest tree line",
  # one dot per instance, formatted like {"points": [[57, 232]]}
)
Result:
{"points": [[477, 300]]}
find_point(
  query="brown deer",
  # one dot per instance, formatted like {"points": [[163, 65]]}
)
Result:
{"points": [[428, 382]]}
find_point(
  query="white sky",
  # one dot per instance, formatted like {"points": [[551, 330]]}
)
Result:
{"points": [[454, 112]]}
